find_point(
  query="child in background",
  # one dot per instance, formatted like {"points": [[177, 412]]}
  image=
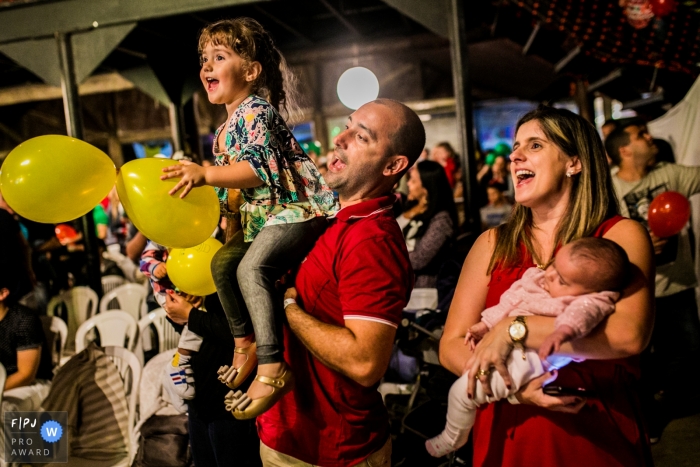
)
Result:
{"points": [[579, 288], [286, 202], [498, 209], [179, 370]]}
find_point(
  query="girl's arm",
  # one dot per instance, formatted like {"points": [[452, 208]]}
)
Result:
{"points": [[236, 175]]}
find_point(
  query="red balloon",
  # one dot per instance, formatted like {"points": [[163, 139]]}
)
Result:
{"points": [[668, 214], [639, 13], [663, 7], [65, 233]]}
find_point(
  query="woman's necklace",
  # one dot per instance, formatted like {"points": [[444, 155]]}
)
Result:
{"points": [[536, 256]]}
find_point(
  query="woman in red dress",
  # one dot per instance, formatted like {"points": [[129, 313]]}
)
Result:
{"points": [[563, 192]]}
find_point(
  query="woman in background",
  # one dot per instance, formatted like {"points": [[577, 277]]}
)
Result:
{"points": [[429, 221]]}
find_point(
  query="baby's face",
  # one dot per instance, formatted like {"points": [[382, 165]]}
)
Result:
{"points": [[563, 277]]}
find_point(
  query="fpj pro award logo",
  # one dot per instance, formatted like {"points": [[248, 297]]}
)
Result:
{"points": [[36, 437]]}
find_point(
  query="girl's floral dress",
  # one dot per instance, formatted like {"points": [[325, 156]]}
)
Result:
{"points": [[292, 191]]}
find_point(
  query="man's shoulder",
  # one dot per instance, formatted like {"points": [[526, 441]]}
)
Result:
{"points": [[672, 173], [670, 168], [381, 226], [20, 318]]}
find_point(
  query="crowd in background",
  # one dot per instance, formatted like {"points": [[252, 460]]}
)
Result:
{"points": [[51, 259]]}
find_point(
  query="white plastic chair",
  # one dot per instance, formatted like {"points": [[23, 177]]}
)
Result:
{"points": [[423, 299], [80, 304], [129, 369], [111, 282], [128, 297], [59, 334], [168, 338], [116, 328]]}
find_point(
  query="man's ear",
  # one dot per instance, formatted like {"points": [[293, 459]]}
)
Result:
{"points": [[253, 72], [395, 165], [4, 293]]}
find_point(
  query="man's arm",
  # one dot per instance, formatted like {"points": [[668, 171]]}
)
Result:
{"points": [[360, 350], [27, 366], [688, 180]]}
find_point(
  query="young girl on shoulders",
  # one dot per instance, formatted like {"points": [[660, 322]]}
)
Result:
{"points": [[286, 201]]}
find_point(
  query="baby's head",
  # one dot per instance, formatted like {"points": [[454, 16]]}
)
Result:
{"points": [[587, 265]]}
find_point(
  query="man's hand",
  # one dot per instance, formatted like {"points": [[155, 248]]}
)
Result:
{"points": [[554, 341], [190, 174], [177, 307], [658, 243], [160, 271], [291, 293]]}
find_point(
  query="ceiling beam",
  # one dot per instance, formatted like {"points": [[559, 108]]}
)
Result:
{"points": [[45, 19], [348, 25], [613, 75], [110, 82], [90, 48], [567, 58], [431, 14], [283, 25], [531, 39]]}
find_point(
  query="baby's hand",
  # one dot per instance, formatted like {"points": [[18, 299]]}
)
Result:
{"points": [[475, 334], [160, 271], [190, 174], [554, 341]]}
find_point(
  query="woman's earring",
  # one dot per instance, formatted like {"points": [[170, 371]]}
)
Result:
{"points": [[569, 174]]}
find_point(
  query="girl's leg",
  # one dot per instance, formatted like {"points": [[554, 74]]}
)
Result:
{"points": [[276, 250], [223, 268]]}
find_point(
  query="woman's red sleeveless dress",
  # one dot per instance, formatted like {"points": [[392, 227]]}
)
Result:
{"points": [[606, 432]]}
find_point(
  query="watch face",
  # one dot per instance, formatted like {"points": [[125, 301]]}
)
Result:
{"points": [[517, 331]]}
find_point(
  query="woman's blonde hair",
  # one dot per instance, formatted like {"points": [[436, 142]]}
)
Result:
{"points": [[247, 37], [592, 198]]}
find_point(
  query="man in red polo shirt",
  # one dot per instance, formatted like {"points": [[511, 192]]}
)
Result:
{"points": [[343, 313]]}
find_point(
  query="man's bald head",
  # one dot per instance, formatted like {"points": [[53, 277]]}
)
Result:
{"points": [[408, 138]]}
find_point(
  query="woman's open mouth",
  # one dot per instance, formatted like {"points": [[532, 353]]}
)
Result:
{"points": [[524, 175]]}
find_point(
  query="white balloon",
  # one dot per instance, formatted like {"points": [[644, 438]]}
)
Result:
{"points": [[357, 86]]}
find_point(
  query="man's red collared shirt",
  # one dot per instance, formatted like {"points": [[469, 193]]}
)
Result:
{"points": [[358, 269]]}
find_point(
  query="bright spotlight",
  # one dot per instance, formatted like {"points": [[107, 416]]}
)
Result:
{"points": [[357, 86]]}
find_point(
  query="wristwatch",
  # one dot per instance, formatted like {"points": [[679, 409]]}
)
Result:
{"points": [[517, 331]]}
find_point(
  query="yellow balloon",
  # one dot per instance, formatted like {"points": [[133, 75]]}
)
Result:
{"points": [[189, 269], [165, 219], [55, 179]]}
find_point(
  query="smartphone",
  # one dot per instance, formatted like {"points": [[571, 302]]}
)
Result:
{"points": [[552, 390]]}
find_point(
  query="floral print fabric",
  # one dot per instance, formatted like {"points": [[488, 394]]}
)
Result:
{"points": [[293, 189]]}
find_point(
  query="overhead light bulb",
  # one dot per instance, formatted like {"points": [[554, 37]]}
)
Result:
{"points": [[357, 86]]}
